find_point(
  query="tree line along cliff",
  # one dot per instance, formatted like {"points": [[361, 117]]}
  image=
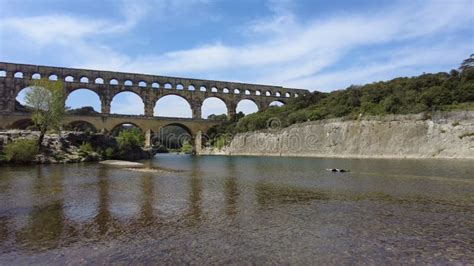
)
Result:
{"points": [[404, 95]]}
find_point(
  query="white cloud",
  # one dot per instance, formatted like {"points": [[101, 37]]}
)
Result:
{"points": [[287, 52], [50, 29], [295, 51]]}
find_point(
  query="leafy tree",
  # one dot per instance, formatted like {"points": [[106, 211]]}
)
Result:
{"points": [[221, 117], [130, 138], [467, 63], [46, 98]]}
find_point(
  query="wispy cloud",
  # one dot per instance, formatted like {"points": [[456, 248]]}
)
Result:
{"points": [[295, 51], [399, 63], [282, 48]]}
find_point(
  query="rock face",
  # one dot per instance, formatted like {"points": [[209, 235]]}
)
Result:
{"points": [[444, 135]]}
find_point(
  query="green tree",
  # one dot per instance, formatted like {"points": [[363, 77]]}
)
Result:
{"points": [[467, 63], [221, 117], [46, 98], [130, 138], [130, 142]]}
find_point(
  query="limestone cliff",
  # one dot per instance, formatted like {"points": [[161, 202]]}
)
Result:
{"points": [[441, 135]]}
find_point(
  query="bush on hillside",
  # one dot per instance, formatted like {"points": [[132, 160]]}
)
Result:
{"points": [[425, 93]]}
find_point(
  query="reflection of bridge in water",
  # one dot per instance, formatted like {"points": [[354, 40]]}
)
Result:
{"points": [[56, 216], [150, 88], [62, 205]]}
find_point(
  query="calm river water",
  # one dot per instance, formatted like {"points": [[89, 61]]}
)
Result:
{"points": [[239, 210]]}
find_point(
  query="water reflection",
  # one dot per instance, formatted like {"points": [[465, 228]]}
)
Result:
{"points": [[45, 226], [195, 195], [3, 229], [231, 189], [257, 207], [46, 219], [103, 217], [146, 210]]}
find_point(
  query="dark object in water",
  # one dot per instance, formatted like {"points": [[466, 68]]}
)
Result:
{"points": [[337, 170]]}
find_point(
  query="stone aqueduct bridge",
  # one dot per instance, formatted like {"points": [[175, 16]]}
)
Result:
{"points": [[150, 88]]}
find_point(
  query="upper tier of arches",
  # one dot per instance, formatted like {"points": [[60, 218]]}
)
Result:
{"points": [[126, 81]]}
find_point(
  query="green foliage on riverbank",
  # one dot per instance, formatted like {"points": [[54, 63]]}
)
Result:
{"points": [[21, 150], [187, 147], [130, 142], [219, 134], [404, 95], [130, 138]]}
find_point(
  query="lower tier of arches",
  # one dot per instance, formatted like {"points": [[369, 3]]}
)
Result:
{"points": [[109, 123]]}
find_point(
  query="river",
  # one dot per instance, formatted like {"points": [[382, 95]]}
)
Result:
{"points": [[224, 209]]}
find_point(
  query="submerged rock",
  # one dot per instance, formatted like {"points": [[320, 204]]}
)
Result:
{"points": [[337, 170]]}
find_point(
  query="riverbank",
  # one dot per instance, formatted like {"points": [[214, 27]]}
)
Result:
{"points": [[447, 135], [71, 147]]}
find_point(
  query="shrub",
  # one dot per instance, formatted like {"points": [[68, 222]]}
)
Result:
{"points": [[130, 142], [130, 138], [109, 153], [21, 150], [298, 117], [187, 147], [3, 158], [87, 151], [86, 148], [222, 141]]}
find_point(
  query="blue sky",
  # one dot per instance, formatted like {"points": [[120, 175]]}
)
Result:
{"points": [[311, 44]]}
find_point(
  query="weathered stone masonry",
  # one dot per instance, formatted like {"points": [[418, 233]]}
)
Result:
{"points": [[150, 88]]}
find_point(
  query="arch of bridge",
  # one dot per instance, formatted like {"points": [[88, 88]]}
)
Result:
{"points": [[108, 122], [10, 87]]}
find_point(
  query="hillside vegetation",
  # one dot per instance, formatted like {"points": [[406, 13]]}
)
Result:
{"points": [[404, 95]]}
